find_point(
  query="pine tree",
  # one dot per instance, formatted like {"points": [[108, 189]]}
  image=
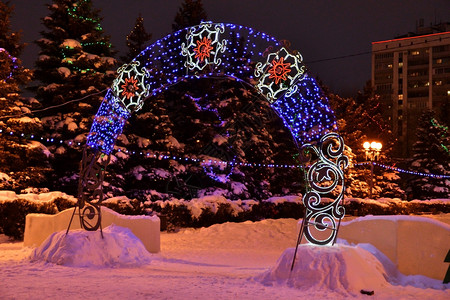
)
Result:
{"points": [[74, 68], [191, 13], [430, 156], [137, 40], [358, 121], [24, 162]]}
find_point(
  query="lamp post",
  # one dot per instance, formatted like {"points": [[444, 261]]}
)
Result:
{"points": [[372, 150]]}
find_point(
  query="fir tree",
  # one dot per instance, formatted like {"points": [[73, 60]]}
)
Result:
{"points": [[74, 68], [190, 13], [9, 40], [24, 162], [137, 40], [430, 156], [358, 121]]}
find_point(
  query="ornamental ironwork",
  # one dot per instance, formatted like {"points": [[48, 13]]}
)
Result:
{"points": [[90, 192], [325, 177]]}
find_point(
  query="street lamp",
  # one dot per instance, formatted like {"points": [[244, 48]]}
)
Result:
{"points": [[372, 150]]}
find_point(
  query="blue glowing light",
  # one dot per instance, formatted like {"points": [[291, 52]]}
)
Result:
{"points": [[303, 108]]}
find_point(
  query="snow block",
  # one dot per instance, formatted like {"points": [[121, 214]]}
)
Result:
{"points": [[416, 245], [39, 226]]}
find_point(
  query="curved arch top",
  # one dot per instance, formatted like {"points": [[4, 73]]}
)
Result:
{"points": [[209, 50]]}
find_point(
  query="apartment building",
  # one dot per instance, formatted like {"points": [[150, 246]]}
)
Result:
{"points": [[411, 73]]}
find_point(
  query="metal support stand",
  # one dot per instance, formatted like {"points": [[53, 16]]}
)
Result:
{"points": [[90, 193], [324, 176]]}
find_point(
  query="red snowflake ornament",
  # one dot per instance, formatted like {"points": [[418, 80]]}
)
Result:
{"points": [[279, 70], [129, 87], [203, 49]]}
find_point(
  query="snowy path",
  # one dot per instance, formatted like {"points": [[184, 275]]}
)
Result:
{"points": [[218, 262]]}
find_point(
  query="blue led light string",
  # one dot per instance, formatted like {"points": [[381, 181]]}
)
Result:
{"points": [[166, 65], [14, 63], [306, 112], [150, 154], [402, 170], [108, 124]]}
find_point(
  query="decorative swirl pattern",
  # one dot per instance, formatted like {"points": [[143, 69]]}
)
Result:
{"points": [[90, 193], [325, 177]]}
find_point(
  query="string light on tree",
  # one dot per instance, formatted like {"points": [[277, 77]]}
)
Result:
{"points": [[12, 60], [192, 158]]}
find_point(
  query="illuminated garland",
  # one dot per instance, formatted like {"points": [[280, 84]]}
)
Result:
{"points": [[435, 123], [402, 170], [14, 62], [184, 55], [73, 13], [69, 60], [150, 154]]}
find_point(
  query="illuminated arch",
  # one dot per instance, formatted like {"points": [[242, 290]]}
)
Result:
{"points": [[205, 50]]}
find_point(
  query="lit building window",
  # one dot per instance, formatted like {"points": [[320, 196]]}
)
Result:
{"points": [[400, 97], [416, 52], [439, 61], [438, 82]]}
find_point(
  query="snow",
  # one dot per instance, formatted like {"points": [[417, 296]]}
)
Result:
{"points": [[43, 57], [63, 71], [72, 126], [348, 269], [4, 176], [45, 41], [249, 260], [70, 43], [109, 60], [119, 247], [51, 87], [279, 200], [37, 198], [25, 120], [219, 139]]}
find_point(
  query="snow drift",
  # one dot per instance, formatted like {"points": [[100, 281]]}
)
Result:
{"points": [[80, 248], [348, 269]]}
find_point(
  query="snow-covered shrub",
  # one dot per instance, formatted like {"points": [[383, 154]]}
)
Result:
{"points": [[14, 208]]}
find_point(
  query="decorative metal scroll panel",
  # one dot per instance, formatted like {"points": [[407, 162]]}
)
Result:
{"points": [[90, 192], [324, 177]]}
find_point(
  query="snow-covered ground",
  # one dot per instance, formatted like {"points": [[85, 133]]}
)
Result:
{"points": [[249, 260]]}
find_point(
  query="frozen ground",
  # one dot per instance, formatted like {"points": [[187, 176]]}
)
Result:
{"points": [[248, 260]]}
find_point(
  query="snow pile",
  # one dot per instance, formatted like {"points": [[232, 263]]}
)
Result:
{"points": [[7, 196], [80, 248], [219, 262], [348, 269], [396, 278]]}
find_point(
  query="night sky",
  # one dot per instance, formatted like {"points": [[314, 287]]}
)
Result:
{"points": [[318, 29]]}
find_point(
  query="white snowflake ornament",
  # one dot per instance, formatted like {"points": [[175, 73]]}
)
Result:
{"points": [[130, 86]]}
